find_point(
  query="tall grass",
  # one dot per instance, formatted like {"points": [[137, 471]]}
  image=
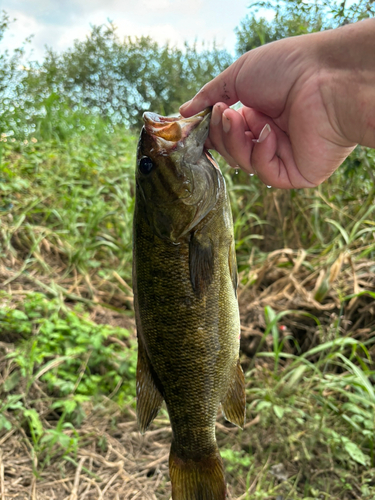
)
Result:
{"points": [[334, 216], [66, 208], [307, 297], [72, 201], [66, 233]]}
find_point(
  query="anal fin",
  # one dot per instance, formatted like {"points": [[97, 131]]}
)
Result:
{"points": [[149, 399], [234, 403]]}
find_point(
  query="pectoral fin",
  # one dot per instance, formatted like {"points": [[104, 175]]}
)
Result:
{"points": [[149, 398], [234, 403], [201, 262]]}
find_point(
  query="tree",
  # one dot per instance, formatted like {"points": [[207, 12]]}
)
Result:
{"points": [[297, 17], [10, 77], [120, 79]]}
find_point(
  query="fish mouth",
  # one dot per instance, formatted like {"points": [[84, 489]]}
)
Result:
{"points": [[174, 128]]}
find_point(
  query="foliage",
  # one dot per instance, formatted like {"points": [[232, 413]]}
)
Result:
{"points": [[73, 199], [296, 17], [66, 230], [320, 406], [326, 220], [254, 32], [331, 14], [10, 76], [70, 353], [101, 76], [66, 202], [347, 393], [75, 360], [8, 63]]}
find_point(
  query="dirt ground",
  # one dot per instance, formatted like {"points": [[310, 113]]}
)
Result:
{"points": [[114, 461]]}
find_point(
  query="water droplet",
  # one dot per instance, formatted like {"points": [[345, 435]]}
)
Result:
{"points": [[251, 175], [269, 187], [236, 170]]}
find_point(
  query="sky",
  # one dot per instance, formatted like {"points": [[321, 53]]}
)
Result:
{"points": [[57, 23]]}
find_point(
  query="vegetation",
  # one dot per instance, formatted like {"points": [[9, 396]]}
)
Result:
{"points": [[100, 76], [67, 340], [296, 17]]}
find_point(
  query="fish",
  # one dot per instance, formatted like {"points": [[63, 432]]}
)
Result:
{"points": [[185, 297]]}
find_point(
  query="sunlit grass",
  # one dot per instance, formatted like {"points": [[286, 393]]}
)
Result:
{"points": [[68, 206], [66, 232]]}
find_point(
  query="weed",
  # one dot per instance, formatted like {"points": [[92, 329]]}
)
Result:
{"points": [[75, 360], [66, 212]]}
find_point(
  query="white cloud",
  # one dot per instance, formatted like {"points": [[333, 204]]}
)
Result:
{"points": [[57, 23]]}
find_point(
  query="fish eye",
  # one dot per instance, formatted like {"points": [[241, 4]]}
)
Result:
{"points": [[146, 165]]}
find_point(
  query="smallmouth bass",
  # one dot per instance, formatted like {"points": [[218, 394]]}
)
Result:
{"points": [[185, 297]]}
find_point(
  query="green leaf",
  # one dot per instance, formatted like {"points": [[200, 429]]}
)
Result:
{"points": [[356, 409], [69, 405], [295, 377], [355, 453], [279, 411], [4, 423], [20, 315], [262, 404], [12, 381], [340, 228], [34, 421], [270, 318], [362, 378]]}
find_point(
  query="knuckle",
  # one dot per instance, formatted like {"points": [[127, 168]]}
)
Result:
{"points": [[203, 91]]}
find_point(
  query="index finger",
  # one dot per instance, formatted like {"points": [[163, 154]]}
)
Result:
{"points": [[220, 89]]}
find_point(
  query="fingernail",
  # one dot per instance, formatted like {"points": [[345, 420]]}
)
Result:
{"points": [[185, 105], [216, 116], [264, 133], [226, 124]]}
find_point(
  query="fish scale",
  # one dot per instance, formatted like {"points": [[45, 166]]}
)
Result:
{"points": [[185, 280]]}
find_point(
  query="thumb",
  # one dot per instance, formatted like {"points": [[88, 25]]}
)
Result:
{"points": [[220, 89]]}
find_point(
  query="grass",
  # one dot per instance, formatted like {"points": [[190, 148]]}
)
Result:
{"points": [[68, 206], [67, 341]]}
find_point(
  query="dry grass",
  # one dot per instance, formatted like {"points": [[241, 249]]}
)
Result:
{"points": [[293, 280], [291, 301], [125, 466], [113, 461]]}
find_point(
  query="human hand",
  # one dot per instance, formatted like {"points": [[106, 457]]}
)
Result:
{"points": [[293, 128]]}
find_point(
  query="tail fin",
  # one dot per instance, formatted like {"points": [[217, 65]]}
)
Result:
{"points": [[201, 479]]}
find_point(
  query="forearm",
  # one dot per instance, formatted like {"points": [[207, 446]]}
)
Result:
{"points": [[348, 80]]}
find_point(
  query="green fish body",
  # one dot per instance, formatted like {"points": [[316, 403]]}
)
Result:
{"points": [[185, 282]]}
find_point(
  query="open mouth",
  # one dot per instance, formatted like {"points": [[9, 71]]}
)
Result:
{"points": [[173, 128]]}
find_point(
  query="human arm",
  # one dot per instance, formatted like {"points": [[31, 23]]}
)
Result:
{"points": [[317, 94]]}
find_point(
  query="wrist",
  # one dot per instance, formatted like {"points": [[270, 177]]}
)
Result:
{"points": [[347, 81]]}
